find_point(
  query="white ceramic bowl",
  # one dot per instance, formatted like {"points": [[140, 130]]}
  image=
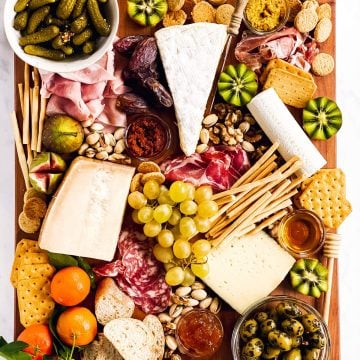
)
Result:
{"points": [[73, 63]]}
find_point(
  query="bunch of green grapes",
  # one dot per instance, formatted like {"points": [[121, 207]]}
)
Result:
{"points": [[174, 216]]}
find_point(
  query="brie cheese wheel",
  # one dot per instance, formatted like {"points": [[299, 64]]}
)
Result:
{"points": [[85, 215], [245, 269], [190, 55]]}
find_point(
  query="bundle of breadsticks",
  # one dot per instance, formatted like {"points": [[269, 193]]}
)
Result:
{"points": [[258, 199]]}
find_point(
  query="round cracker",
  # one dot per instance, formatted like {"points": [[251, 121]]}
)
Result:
{"points": [[27, 225], [203, 12], [175, 5], [224, 13], [157, 176], [306, 20], [35, 208], [323, 64], [173, 18], [324, 11], [30, 193], [135, 184], [323, 30], [310, 4], [147, 167]]}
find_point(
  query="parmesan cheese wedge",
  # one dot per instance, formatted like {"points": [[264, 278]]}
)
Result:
{"points": [[190, 55], [85, 215], [245, 269]]}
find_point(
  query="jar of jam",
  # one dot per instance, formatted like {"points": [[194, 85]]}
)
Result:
{"points": [[199, 333], [147, 137], [301, 233]]}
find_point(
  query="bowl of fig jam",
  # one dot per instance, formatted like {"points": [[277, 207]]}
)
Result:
{"points": [[199, 334], [147, 137]]}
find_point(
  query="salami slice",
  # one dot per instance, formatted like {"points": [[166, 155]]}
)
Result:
{"points": [[109, 270]]}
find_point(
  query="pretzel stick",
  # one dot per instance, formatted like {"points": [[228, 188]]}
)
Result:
{"points": [[268, 221], [239, 232], [20, 149], [35, 118], [26, 120], [21, 97], [42, 115]]}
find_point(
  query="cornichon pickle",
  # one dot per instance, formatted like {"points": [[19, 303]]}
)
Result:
{"points": [[67, 50], [78, 8], [100, 24], [44, 52], [51, 20], [65, 8], [102, 1], [88, 47], [40, 36], [36, 18], [79, 24], [21, 20], [21, 5], [57, 42], [79, 39], [35, 4]]}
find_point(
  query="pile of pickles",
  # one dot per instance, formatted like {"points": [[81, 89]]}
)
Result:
{"points": [[56, 29], [283, 333]]}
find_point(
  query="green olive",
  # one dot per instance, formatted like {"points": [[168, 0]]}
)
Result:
{"points": [[261, 316], [280, 339], [270, 352], [311, 354], [317, 340], [292, 327], [288, 310], [267, 326], [294, 354], [253, 348], [249, 330], [296, 341], [311, 323]]}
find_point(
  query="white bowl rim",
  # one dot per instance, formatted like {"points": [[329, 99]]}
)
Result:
{"points": [[70, 65]]}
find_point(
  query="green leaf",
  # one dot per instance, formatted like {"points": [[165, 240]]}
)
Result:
{"points": [[60, 260], [14, 347], [2, 341], [85, 265], [12, 350]]}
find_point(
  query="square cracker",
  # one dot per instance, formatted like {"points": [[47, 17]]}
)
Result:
{"points": [[292, 89], [34, 258], [34, 301], [34, 271], [24, 246], [325, 196]]}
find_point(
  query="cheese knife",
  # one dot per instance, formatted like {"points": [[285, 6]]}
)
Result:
{"points": [[232, 33]]}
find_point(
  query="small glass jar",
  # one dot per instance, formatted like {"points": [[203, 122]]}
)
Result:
{"points": [[199, 333], [301, 233]]}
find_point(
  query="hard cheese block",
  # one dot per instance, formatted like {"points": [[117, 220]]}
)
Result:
{"points": [[190, 55], [246, 269], [85, 215]]}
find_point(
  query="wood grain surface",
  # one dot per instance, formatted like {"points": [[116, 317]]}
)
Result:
{"points": [[326, 87]]}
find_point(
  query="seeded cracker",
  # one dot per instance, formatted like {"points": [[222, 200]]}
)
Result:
{"points": [[28, 225], [306, 20], [323, 64], [203, 12], [172, 18], [323, 30]]}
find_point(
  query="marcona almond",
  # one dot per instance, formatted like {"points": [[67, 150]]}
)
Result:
{"points": [[204, 304], [183, 290], [93, 138], [210, 120], [170, 342], [199, 294]]}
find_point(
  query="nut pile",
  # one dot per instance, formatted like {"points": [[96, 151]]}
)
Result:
{"points": [[104, 145], [229, 126], [183, 300]]}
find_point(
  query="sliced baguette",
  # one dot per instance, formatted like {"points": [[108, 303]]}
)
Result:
{"points": [[154, 324], [101, 349], [132, 338], [111, 303]]}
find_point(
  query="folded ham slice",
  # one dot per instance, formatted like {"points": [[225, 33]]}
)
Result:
{"points": [[219, 167], [88, 93]]}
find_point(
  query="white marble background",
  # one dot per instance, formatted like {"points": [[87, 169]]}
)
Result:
{"points": [[348, 97]]}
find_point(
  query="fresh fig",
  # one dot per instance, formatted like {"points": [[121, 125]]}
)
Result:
{"points": [[62, 134], [46, 172]]}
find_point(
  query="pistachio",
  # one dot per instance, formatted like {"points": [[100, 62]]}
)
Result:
{"points": [[199, 294], [97, 127], [118, 158], [191, 302], [175, 310], [88, 122], [215, 305], [186, 310], [204, 304], [92, 139], [248, 147], [120, 146], [109, 139], [170, 342], [197, 285], [170, 326], [87, 131], [168, 354], [175, 357], [90, 153], [210, 120], [97, 146], [119, 133], [109, 149], [183, 290], [83, 148], [239, 138], [244, 127], [163, 317], [204, 136], [102, 155], [201, 148]]}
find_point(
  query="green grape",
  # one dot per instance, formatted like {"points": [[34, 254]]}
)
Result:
{"points": [[165, 238], [137, 200], [134, 216], [175, 276], [188, 207], [163, 188], [189, 278], [164, 198], [203, 193], [202, 224], [190, 191], [145, 214], [176, 231], [151, 189], [175, 217], [164, 255], [168, 266], [152, 228], [178, 191], [201, 248], [187, 226], [207, 208], [162, 213], [182, 249], [200, 270]]}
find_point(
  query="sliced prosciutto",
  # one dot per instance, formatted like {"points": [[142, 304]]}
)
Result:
{"points": [[138, 273], [219, 167], [288, 44]]}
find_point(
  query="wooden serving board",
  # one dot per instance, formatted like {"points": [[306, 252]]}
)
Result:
{"points": [[326, 87]]}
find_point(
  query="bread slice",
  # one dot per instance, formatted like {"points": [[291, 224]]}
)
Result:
{"points": [[154, 324], [101, 349], [111, 303], [132, 338]]}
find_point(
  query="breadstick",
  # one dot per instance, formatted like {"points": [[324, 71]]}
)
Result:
{"points": [[42, 115], [263, 215], [268, 221], [264, 169], [35, 118], [26, 119], [226, 199], [21, 98]]}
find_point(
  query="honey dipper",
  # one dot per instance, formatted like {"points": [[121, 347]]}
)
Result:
{"points": [[331, 250]]}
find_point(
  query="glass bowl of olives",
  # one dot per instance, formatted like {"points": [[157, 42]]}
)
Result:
{"points": [[281, 328]]}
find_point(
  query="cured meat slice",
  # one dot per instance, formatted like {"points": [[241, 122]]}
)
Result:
{"points": [[219, 167]]}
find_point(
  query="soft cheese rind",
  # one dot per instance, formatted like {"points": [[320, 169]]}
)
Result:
{"points": [[190, 55], [245, 269]]}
